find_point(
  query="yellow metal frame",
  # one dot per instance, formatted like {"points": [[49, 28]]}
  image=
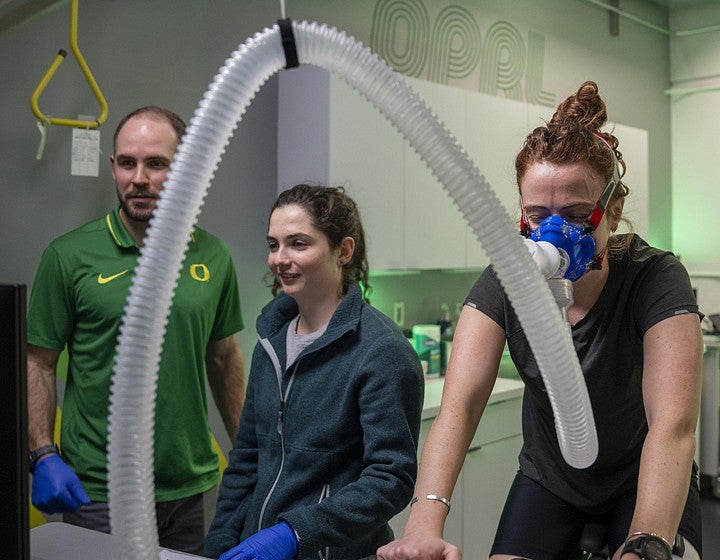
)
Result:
{"points": [[86, 72]]}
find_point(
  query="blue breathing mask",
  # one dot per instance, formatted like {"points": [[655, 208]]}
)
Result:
{"points": [[578, 246]]}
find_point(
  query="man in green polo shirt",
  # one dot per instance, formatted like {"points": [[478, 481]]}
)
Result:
{"points": [[78, 299]]}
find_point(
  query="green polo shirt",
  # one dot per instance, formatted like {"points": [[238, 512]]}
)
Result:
{"points": [[78, 299]]}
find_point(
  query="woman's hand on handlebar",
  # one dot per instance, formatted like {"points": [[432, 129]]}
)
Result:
{"points": [[419, 547]]}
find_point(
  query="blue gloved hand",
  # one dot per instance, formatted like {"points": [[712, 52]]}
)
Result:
{"points": [[274, 543], [56, 487]]}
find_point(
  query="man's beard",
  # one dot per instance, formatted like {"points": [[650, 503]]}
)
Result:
{"points": [[138, 215]]}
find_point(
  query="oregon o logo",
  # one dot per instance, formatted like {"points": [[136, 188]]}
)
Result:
{"points": [[200, 272]]}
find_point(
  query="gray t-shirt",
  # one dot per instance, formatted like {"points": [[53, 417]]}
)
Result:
{"points": [[644, 287], [296, 343]]}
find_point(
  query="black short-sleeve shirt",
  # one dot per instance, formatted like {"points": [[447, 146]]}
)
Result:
{"points": [[644, 286]]}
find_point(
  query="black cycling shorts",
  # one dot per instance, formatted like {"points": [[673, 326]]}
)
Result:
{"points": [[537, 524]]}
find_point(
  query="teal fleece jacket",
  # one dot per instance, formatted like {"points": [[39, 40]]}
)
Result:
{"points": [[330, 444]]}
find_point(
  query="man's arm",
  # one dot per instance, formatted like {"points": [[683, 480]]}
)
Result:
{"points": [[55, 487], [42, 395], [226, 377]]}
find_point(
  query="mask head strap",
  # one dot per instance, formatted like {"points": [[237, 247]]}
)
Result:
{"points": [[524, 227], [595, 217]]}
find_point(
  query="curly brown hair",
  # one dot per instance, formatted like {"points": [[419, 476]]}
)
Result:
{"points": [[574, 135]]}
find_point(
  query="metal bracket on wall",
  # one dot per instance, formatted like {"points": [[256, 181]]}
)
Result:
{"points": [[614, 19]]}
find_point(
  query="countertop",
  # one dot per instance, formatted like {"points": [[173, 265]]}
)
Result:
{"points": [[504, 389]]}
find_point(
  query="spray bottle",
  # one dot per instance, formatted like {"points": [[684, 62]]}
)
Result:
{"points": [[447, 331]]}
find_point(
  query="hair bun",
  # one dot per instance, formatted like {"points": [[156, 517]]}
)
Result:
{"points": [[585, 107]]}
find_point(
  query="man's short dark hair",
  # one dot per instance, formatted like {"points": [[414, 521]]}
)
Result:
{"points": [[164, 114]]}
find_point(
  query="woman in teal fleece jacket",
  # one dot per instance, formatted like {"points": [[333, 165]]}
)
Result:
{"points": [[326, 453]]}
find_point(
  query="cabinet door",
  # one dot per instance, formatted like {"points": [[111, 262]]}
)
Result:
{"points": [[487, 475], [435, 230], [410, 220], [497, 128], [366, 157]]}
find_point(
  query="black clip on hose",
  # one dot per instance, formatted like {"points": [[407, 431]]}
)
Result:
{"points": [[288, 43]]}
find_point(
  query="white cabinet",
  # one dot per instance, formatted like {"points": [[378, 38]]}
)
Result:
{"points": [[411, 221], [488, 471], [435, 231], [490, 466], [366, 156], [329, 133]]}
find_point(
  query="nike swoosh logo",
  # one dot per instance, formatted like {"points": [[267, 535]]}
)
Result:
{"points": [[105, 279]]}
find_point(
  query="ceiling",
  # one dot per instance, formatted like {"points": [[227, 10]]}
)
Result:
{"points": [[14, 12]]}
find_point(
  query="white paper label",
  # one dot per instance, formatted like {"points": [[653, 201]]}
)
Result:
{"points": [[85, 159]]}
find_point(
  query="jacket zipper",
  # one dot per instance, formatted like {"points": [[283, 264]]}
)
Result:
{"points": [[325, 493], [280, 423]]}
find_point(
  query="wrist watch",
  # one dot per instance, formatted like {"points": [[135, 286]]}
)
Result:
{"points": [[35, 454], [648, 546]]}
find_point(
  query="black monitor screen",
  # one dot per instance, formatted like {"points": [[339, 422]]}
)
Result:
{"points": [[14, 490]]}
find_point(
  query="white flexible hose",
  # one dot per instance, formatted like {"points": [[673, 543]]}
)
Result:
{"points": [[132, 401]]}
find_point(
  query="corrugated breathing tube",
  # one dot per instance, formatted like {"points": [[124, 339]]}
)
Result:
{"points": [[132, 402]]}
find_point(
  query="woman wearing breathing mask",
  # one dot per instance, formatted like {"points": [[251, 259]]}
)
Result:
{"points": [[636, 329]]}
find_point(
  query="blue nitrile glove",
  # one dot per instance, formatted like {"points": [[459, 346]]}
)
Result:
{"points": [[56, 487], [274, 543]]}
